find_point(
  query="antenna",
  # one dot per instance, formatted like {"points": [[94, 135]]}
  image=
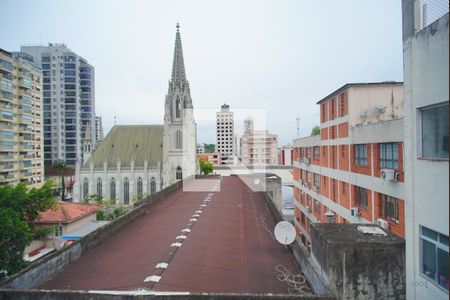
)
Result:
{"points": [[115, 117], [284, 233], [298, 127]]}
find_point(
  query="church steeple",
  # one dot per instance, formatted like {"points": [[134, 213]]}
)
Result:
{"points": [[178, 72]]}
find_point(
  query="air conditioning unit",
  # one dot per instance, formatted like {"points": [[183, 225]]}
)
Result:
{"points": [[383, 224], [315, 189], [306, 161], [388, 174], [354, 211]]}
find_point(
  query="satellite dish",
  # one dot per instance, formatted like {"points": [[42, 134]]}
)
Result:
{"points": [[364, 113], [380, 108], [257, 181], [285, 233]]}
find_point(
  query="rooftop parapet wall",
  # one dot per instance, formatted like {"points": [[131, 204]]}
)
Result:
{"points": [[39, 271], [358, 265]]}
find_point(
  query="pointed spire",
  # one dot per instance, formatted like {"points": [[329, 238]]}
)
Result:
{"points": [[178, 73]]}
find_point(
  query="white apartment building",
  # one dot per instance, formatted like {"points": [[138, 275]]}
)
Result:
{"points": [[69, 101], [426, 81], [225, 133], [259, 147], [200, 148]]}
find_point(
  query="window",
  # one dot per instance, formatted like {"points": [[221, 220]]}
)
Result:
{"points": [[389, 207], [139, 188], [178, 140], [435, 131], [361, 197], [389, 156], [434, 256], [126, 191], [316, 152], [153, 186], [317, 180], [58, 230], [179, 173], [360, 154], [342, 105], [99, 187], [317, 207], [177, 107], [85, 188], [112, 189]]}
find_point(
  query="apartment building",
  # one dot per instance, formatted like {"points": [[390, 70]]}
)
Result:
{"points": [[259, 147], [200, 148], [225, 134], [426, 72], [353, 172], [21, 144], [69, 101]]}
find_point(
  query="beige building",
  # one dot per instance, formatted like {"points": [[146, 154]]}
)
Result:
{"points": [[21, 140], [259, 148]]}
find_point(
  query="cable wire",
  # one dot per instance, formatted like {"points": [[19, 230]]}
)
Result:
{"points": [[297, 284]]}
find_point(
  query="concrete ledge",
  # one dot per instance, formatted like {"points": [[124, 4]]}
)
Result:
{"points": [[77, 295], [39, 271]]}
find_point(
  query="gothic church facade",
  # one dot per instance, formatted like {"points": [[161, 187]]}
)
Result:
{"points": [[137, 160]]}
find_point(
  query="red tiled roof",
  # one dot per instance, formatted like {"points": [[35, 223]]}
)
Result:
{"points": [[66, 212]]}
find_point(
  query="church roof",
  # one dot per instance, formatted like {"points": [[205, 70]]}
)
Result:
{"points": [[130, 142]]}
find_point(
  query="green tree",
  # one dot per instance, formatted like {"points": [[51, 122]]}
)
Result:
{"points": [[315, 130], [61, 168], [210, 148], [19, 208], [206, 167]]}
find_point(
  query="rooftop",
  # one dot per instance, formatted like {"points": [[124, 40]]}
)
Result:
{"points": [[215, 241], [67, 212], [360, 84], [345, 233]]}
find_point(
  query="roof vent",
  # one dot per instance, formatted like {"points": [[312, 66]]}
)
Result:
{"points": [[112, 145], [380, 108], [137, 145]]}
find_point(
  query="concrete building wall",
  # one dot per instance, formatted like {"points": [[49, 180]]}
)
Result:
{"points": [[364, 97], [426, 71]]}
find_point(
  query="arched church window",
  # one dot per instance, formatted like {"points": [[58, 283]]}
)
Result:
{"points": [[126, 191], [85, 188], [179, 174], [112, 189], [177, 107], [152, 186], [139, 187], [178, 139], [99, 187]]}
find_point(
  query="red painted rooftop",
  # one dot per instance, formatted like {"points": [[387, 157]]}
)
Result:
{"points": [[228, 249], [66, 212]]}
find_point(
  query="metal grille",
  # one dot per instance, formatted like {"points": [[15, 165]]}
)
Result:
{"points": [[428, 11]]}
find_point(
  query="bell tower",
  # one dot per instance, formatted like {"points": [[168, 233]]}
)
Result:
{"points": [[179, 143]]}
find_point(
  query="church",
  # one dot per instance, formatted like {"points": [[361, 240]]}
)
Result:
{"points": [[137, 160]]}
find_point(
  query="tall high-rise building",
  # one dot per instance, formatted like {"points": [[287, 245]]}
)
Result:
{"points": [[426, 72], [69, 101], [21, 147], [248, 125], [225, 133], [98, 129]]}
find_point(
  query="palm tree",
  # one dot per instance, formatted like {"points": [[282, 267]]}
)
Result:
{"points": [[61, 168]]}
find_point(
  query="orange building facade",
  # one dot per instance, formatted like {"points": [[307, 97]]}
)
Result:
{"points": [[353, 171]]}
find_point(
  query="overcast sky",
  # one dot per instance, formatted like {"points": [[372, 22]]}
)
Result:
{"points": [[281, 56]]}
